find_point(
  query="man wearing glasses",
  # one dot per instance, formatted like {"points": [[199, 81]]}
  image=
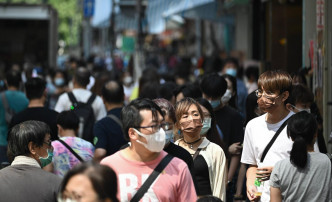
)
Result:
{"points": [[144, 127], [274, 88]]}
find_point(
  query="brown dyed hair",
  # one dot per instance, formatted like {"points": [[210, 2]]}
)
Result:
{"points": [[275, 81], [183, 106]]}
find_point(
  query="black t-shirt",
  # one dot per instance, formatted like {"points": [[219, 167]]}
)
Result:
{"points": [[38, 114], [231, 124], [202, 176], [108, 134]]}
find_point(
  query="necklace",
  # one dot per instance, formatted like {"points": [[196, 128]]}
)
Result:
{"points": [[191, 144]]}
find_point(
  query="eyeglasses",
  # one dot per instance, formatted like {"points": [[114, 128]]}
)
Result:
{"points": [[155, 128], [271, 99]]}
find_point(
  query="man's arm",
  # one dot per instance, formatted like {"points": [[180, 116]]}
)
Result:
{"points": [[275, 194], [251, 176], [99, 154]]}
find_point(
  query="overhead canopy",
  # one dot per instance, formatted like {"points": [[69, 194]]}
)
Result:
{"points": [[160, 11]]}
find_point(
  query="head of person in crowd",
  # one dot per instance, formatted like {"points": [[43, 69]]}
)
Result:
{"points": [[143, 125], [148, 75], [213, 88], [169, 115], [35, 89], [252, 109], [13, 79], [81, 78], [182, 71], [101, 78], [230, 96], [60, 78], [166, 91], [252, 73], [300, 99], [274, 88], [68, 123], [231, 67], [209, 128], [299, 78], [189, 90], [149, 90], [189, 118], [212, 64], [31, 139], [89, 181], [113, 94], [302, 129]]}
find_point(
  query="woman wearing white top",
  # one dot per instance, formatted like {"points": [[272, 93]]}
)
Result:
{"points": [[209, 158]]}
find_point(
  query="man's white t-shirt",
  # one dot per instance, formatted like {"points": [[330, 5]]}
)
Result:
{"points": [[81, 95], [257, 135]]}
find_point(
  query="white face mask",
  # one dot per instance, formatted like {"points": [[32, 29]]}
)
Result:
{"points": [[154, 142], [206, 126], [226, 97], [299, 110]]}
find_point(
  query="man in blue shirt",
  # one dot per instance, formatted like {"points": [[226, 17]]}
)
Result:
{"points": [[108, 131], [16, 101]]}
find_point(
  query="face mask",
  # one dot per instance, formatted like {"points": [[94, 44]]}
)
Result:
{"points": [[59, 81], [231, 71], [215, 103], [155, 141], [191, 126], [300, 110], [66, 200], [226, 97], [169, 136], [45, 161], [206, 126], [127, 80]]}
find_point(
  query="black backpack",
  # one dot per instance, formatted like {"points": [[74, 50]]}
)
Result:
{"points": [[86, 115]]}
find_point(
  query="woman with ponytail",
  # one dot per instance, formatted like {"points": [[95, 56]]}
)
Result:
{"points": [[306, 175]]}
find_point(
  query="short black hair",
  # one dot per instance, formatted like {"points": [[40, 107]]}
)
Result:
{"points": [[190, 90], [300, 94], [68, 120], [13, 78], [130, 114], [35, 87], [102, 178], [231, 60], [21, 134], [166, 90], [82, 76], [113, 92], [213, 85]]}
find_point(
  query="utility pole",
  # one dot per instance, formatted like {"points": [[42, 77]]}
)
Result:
{"points": [[112, 32], [138, 55]]}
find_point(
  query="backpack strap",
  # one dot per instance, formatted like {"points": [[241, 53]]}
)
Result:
{"points": [[196, 153], [72, 98], [146, 185], [71, 150], [91, 99], [267, 148], [116, 119]]}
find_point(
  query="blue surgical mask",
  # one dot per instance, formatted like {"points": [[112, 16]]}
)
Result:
{"points": [[45, 161], [206, 126], [231, 71], [215, 103], [169, 136], [59, 81]]}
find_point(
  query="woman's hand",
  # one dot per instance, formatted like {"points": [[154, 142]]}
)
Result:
{"points": [[264, 173], [235, 148]]}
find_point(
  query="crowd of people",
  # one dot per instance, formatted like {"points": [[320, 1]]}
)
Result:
{"points": [[82, 135]]}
